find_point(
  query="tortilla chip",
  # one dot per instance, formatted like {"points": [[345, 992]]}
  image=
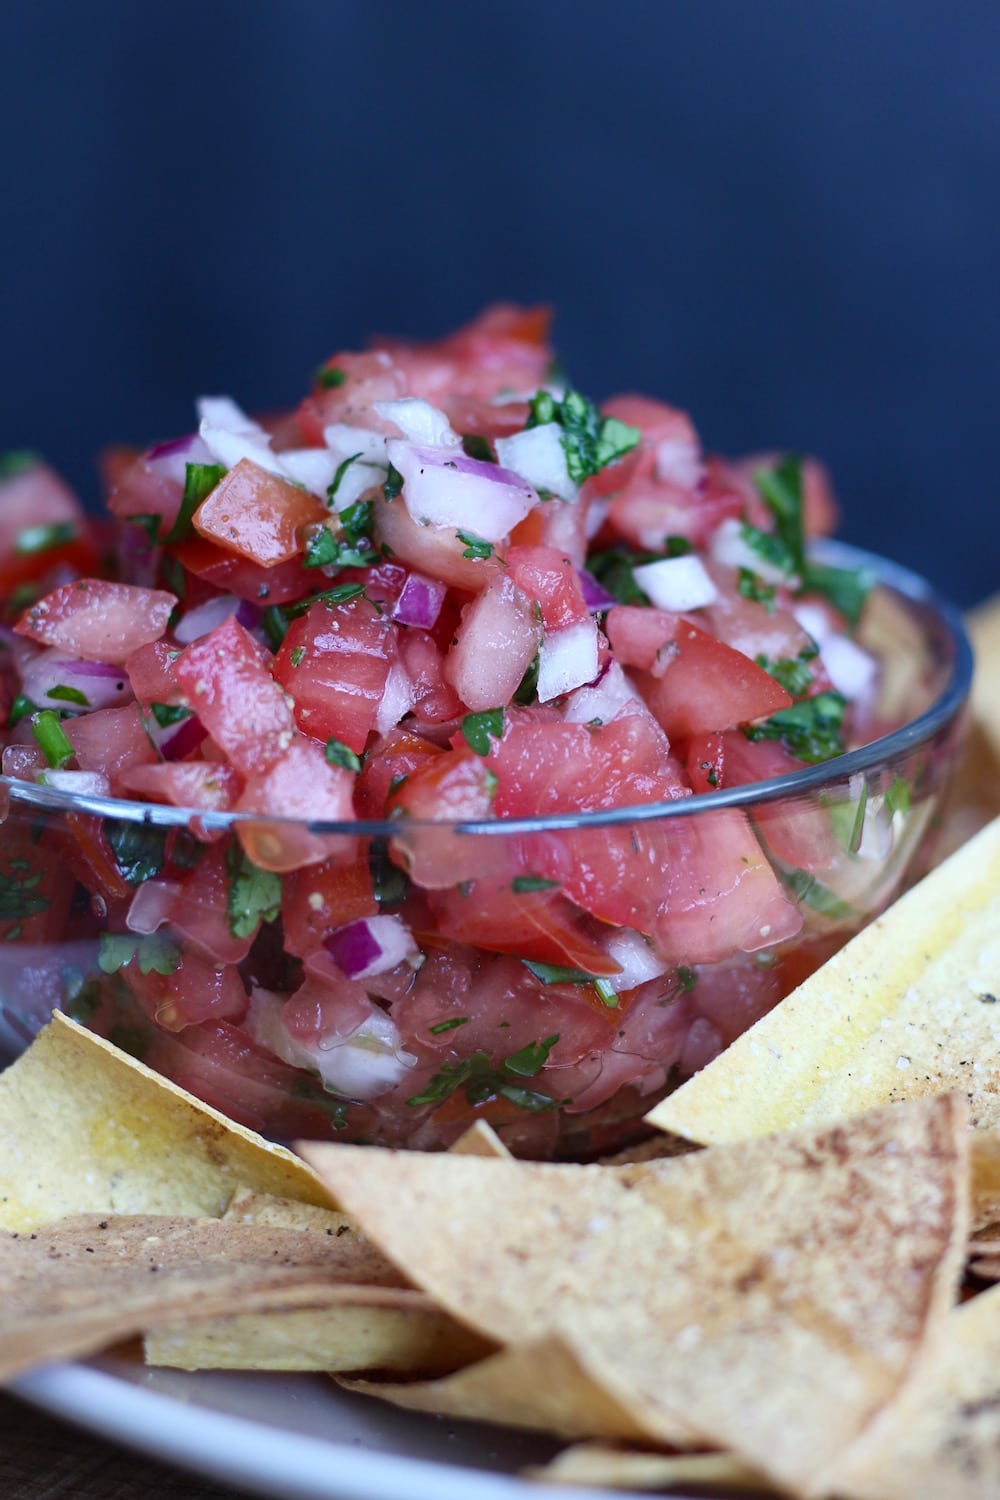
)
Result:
{"points": [[984, 628], [85, 1128], [322, 1328], [605, 1467], [86, 1282], [544, 1386], [479, 1140], [248, 1207], [910, 1007], [768, 1297], [941, 1436]]}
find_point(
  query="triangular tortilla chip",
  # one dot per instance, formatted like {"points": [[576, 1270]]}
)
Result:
{"points": [[940, 1438], [545, 1386], [768, 1296], [85, 1282], [479, 1140], [910, 1007], [86, 1128], [605, 1467]]}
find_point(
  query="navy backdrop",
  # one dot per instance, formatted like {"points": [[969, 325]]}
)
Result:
{"points": [[783, 215]]}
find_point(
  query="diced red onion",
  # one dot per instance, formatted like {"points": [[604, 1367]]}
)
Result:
{"points": [[205, 617], [419, 421], [595, 595], [538, 455], [676, 583], [604, 699], [443, 487], [420, 602], [367, 1063], [102, 685], [170, 460], [567, 659], [80, 783], [178, 740], [152, 905], [370, 946]]}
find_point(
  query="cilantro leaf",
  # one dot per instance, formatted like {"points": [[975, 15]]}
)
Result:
{"points": [[199, 482], [166, 714], [17, 461], [897, 798], [339, 754], [154, 953], [43, 538], [393, 483], [590, 441], [477, 447], [475, 546], [329, 377], [793, 672], [480, 1080], [254, 894], [614, 570], [812, 729], [138, 849], [846, 588], [18, 898], [750, 585], [780, 488], [479, 728], [522, 884], [806, 888], [768, 546]]}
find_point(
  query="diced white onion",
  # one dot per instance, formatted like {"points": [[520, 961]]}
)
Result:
{"points": [[730, 546], [850, 668], [603, 700], [345, 441], [313, 467], [537, 454], [419, 421], [80, 783], [814, 621], [639, 962], [355, 482], [397, 699], [678, 461], [228, 447], [567, 659], [223, 412], [676, 583], [442, 487], [367, 1063]]}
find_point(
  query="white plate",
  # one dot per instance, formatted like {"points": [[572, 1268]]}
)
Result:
{"points": [[297, 1437]]}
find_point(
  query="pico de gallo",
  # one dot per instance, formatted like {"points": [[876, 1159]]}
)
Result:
{"points": [[446, 589]]}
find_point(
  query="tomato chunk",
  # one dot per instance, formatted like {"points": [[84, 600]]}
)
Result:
{"points": [[708, 686], [225, 679], [97, 620], [334, 662], [257, 515]]}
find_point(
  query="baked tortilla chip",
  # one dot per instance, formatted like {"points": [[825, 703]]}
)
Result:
{"points": [[86, 1282], [322, 1328], [909, 1008], [86, 1128], [544, 1386], [941, 1436], [605, 1467], [984, 628], [769, 1297], [479, 1140]]}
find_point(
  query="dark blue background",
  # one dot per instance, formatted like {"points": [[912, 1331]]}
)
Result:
{"points": [[783, 215]]}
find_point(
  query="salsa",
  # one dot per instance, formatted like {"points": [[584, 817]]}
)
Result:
{"points": [[446, 589]]}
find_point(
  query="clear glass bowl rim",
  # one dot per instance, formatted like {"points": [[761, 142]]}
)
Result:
{"points": [[878, 753]]}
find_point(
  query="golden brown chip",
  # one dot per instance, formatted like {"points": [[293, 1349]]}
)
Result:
{"points": [[606, 1467], [768, 1297], [910, 1007], [86, 1282], [323, 1328], [545, 1386], [940, 1438], [86, 1128], [248, 1207]]}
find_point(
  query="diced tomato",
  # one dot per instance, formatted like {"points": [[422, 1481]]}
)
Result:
{"points": [[200, 911], [387, 762], [257, 515], [494, 645], [318, 900], [708, 686], [540, 924], [42, 526], [98, 621], [706, 762], [549, 578], [368, 378], [433, 550], [197, 990], [112, 741], [434, 700], [247, 580], [298, 784], [799, 833], [225, 679], [37, 885], [456, 786], [153, 675], [749, 626], [559, 525], [642, 637], [209, 785], [334, 662]]}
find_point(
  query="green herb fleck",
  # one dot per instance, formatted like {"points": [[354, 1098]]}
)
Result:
{"points": [[858, 826], [64, 694], [20, 709], [154, 953], [522, 884], [479, 728], [297, 655], [812, 729], [329, 377], [898, 798], [770, 547], [527, 689], [792, 672], [275, 625], [199, 482], [480, 1080], [313, 1093], [443, 1026], [806, 888], [678, 546], [393, 483], [138, 849], [18, 461], [615, 571], [18, 898], [846, 588], [43, 538], [51, 738], [340, 594], [166, 714], [339, 754], [254, 894], [751, 586], [590, 441], [477, 447], [475, 546]]}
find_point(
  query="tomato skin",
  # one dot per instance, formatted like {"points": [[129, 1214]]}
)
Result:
{"points": [[225, 679], [549, 578], [200, 912], [708, 686], [97, 620], [455, 786], [394, 757], [198, 990], [433, 550], [493, 646], [642, 636], [217, 569], [257, 515], [37, 497], [152, 673], [333, 663], [370, 377], [298, 783]]}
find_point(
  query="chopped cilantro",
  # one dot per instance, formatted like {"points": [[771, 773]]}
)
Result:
{"points": [[393, 483], [858, 826], [527, 689], [199, 482], [479, 728], [358, 521], [590, 441], [174, 576], [443, 1026], [275, 625], [51, 738], [792, 672], [154, 953], [166, 714], [678, 546], [812, 729], [557, 974], [522, 884], [768, 546], [480, 1080], [389, 883], [897, 798], [752, 586], [138, 849], [475, 446], [329, 377], [312, 1092], [475, 546], [846, 588], [321, 549], [782, 490], [339, 754], [150, 524], [297, 656], [254, 894], [18, 461], [337, 595], [18, 895], [805, 887], [43, 538], [686, 978], [614, 570], [339, 472]]}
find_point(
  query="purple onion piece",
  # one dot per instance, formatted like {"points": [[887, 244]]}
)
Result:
{"points": [[354, 948], [178, 740], [51, 679], [205, 617], [420, 602], [595, 595]]}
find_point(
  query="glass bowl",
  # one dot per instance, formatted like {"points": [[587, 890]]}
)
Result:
{"points": [[423, 975]]}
